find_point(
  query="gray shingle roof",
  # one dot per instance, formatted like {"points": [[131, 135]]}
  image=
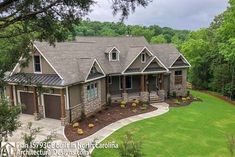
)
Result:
{"points": [[167, 53], [72, 60]]}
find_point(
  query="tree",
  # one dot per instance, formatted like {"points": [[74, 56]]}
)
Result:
{"points": [[8, 118], [158, 39]]}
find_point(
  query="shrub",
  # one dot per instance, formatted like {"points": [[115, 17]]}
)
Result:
{"points": [[174, 94], [75, 125], [184, 99], [80, 132], [133, 104], [123, 103], [123, 106], [130, 147], [176, 101], [91, 125], [137, 102]]}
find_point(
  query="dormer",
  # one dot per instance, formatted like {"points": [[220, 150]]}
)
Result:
{"points": [[113, 53]]}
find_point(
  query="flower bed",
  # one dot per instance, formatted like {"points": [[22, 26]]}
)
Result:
{"points": [[113, 113]]}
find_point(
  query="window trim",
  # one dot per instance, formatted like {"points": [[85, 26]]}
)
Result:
{"points": [[143, 54], [92, 93], [40, 60], [179, 76], [111, 57], [117, 54], [120, 82]]}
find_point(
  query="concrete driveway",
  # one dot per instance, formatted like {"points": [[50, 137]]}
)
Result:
{"points": [[48, 126]]}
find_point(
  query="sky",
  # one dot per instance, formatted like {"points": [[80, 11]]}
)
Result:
{"points": [[177, 14]]}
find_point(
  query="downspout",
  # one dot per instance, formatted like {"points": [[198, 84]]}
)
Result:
{"points": [[68, 104]]}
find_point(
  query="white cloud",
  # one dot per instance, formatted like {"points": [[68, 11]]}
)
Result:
{"points": [[179, 14]]}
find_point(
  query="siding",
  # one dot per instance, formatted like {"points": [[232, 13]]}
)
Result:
{"points": [[46, 68]]}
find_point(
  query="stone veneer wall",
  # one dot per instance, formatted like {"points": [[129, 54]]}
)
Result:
{"points": [[75, 113], [180, 89], [92, 105]]}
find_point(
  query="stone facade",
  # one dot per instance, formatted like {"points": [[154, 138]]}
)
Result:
{"points": [[75, 112], [91, 106], [179, 89], [161, 94], [125, 97], [144, 96]]}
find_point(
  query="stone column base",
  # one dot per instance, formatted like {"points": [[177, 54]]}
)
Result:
{"points": [[64, 121], [37, 116], [161, 94], [125, 96], [144, 96]]}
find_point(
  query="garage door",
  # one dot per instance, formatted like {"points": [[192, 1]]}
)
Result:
{"points": [[27, 100], [52, 106]]}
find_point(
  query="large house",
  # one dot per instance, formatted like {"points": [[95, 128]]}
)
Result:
{"points": [[64, 80]]}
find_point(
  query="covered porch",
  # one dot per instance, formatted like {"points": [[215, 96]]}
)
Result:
{"points": [[144, 87]]}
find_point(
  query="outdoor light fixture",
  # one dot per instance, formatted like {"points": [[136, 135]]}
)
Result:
{"points": [[26, 88]]}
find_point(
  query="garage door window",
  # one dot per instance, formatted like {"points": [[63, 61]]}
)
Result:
{"points": [[92, 91]]}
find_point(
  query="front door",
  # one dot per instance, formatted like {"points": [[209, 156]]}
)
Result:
{"points": [[152, 83]]}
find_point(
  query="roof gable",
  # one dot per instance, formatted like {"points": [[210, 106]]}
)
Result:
{"points": [[95, 72], [155, 65], [132, 58], [180, 62]]}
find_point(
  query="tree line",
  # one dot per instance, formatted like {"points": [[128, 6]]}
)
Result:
{"points": [[153, 33], [211, 52]]}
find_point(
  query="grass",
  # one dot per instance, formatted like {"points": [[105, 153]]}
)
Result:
{"points": [[197, 130]]}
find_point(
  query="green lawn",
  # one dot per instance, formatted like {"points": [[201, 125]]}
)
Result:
{"points": [[199, 129]]}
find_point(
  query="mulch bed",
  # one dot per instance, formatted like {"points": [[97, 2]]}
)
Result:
{"points": [[103, 118], [178, 102], [225, 98]]}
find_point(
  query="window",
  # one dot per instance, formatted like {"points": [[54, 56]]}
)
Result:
{"points": [[114, 56], [110, 80], [128, 82], [178, 77], [92, 91], [37, 64], [143, 57]]}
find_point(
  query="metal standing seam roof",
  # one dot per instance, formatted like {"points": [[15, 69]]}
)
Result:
{"points": [[28, 78]]}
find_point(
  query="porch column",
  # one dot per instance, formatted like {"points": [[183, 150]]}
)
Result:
{"points": [[144, 88], [124, 92], [11, 95], [35, 102], [142, 83], [146, 83], [62, 101], [108, 96], [162, 82]]}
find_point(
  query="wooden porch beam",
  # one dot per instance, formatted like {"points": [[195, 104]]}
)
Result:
{"points": [[142, 82], [62, 103], [146, 83], [35, 100], [11, 95], [124, 84]]}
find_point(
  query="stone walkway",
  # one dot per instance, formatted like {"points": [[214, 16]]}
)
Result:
{"points": [[108, 130]]}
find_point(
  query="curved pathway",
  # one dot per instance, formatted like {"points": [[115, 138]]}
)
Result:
{"points": [[108, 130]]}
